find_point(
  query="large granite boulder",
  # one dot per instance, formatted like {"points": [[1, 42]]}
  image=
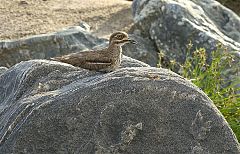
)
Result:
{"points": [[52, 107], [172, 24], [68, 40]]}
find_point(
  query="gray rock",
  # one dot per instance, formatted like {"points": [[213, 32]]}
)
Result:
{"points": [[85, 26], [226, 20], [52, 107], [128, 61], [3, 69], [144, 50], [172, 24], [48, 45]]}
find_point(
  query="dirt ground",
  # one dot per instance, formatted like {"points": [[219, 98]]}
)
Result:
{"points": [[21, 18]]}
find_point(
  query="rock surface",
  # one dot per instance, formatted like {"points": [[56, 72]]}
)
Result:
{"points": [[2, 70], [52, 107], [66, 41], [144, 50], [172, 24]]}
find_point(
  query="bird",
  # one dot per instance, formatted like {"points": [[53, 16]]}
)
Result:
{"points": [[104, 60]]}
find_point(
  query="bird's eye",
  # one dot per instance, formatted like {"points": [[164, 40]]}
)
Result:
{"points": [[119, 37]]}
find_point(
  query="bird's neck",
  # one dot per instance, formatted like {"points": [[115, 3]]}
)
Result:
{"points": [[114, 48]]}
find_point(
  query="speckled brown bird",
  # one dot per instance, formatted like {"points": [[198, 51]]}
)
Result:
{"points": [[105, 60]]}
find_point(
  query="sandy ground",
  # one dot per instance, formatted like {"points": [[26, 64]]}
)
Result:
{"points": [[21, 18]]}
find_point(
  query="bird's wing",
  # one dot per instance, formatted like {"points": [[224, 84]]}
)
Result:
{"points": [[85, 59], [95, 65]]}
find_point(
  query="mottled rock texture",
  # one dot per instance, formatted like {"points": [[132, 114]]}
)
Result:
{"points": [[51, 107], [172, 24], [3, 69]]}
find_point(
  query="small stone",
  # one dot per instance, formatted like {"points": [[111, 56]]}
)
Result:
{"points": [[180, 23], [23, 3]]}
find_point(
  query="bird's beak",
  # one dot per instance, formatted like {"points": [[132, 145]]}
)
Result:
{"points": [[132, 41]]}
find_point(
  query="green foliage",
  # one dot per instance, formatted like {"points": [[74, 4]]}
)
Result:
{"points": [[214, 80]]}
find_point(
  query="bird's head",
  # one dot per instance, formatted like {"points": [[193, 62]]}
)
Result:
{"points": [[120, 38]]}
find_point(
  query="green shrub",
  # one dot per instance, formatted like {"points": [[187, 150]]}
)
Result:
{"points": [[214, 80]]}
